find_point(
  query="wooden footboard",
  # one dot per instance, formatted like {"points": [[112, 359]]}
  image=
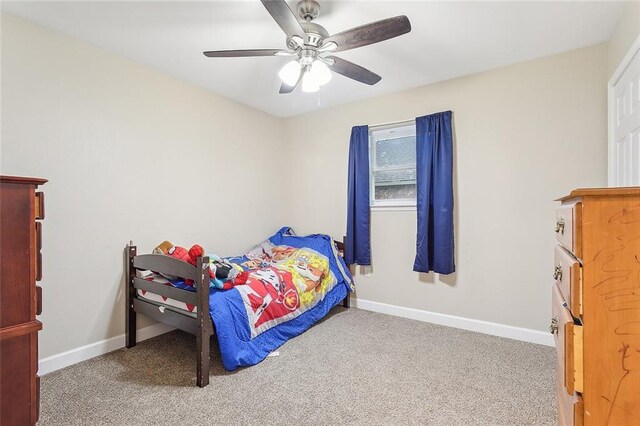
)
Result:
{"points": [[200, 325], [340, 246]]}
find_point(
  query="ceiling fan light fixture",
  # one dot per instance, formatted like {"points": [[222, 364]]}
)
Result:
{"points": [[320, 73], [309, 83], [290, 73]]}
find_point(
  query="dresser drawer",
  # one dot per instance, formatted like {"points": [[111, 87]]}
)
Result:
{"points": [[567, 274], [38, 252], [568, 342], [568, 229], [39, 205], [570, 408], [38, 300]]}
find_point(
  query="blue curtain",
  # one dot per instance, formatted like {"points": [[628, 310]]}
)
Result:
{"points": [[434, 161], [357, 248]]}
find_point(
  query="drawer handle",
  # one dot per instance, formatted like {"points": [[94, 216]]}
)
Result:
{"points": [[560, 226], [557, 273], [38, 300], [553, 327], [40, 205], [38, 251]]}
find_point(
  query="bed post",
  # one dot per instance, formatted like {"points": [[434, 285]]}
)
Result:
{"points": [[347, 300], [205, 329], [130, 313]]}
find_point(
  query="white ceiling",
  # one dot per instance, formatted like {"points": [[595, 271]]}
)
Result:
{"points": [[448, 39]]}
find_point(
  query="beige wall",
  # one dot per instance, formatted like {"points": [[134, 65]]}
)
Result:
{"points": [[130, 153], [524, 135], [626, 32], [96, 125]]}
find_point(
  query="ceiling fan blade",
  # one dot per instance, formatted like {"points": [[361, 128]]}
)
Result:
{"points": [[351, 70], [244, 53], [370, 33], [284, 17], [285, 88]]}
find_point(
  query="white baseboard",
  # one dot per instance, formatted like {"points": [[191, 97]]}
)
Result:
{"points": [[492, 328], [64, 359]]}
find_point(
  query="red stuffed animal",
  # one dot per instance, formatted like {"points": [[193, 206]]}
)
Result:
{"points": [[190, 256]]}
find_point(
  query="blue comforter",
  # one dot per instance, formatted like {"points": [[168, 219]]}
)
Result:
{"points": [[292, 282]]}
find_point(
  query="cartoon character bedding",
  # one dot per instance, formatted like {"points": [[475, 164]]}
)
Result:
{"points": [[282, 287]]}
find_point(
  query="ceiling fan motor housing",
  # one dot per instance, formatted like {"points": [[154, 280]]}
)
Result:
{"points": [[314, 36], [315, 33]]}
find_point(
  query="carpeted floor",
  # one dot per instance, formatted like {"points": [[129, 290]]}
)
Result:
{"points": [[354, 367]]}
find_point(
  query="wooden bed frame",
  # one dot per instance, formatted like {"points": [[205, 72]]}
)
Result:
{"points": [[199, 325]]}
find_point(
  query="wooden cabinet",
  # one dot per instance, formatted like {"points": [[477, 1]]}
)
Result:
{"points": [[596, 307], [21, 208]]}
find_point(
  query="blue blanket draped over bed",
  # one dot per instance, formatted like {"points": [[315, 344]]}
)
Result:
{"points": [[292, 283]]}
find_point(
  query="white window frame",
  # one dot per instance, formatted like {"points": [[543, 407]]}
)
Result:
{"points": [[387, 132]]}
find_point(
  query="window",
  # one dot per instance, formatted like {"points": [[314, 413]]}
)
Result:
{"points": [[392, 153]]}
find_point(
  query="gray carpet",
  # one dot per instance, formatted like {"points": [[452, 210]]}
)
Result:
{"points": [[354, 367]]}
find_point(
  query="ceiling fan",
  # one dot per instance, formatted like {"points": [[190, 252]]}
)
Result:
{"points": [[312, 46]]}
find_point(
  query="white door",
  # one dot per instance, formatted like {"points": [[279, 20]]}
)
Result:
{"points": [[624, 123]]}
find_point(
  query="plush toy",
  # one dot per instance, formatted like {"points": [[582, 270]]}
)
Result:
{"points": [[191, 257], [181, 253], [196, 251], [163, 248]]}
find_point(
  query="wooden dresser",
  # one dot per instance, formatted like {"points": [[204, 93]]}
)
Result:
{"points": [[596, 307], [21, 209]]}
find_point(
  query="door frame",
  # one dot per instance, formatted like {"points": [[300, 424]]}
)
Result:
{"points": [[622, 67]]}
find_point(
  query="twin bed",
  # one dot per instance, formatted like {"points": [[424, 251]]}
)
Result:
{"points": [[289, 283]]}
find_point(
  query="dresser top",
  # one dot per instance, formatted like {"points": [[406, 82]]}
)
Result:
{"points": [[22, 179], [601, 192]]}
